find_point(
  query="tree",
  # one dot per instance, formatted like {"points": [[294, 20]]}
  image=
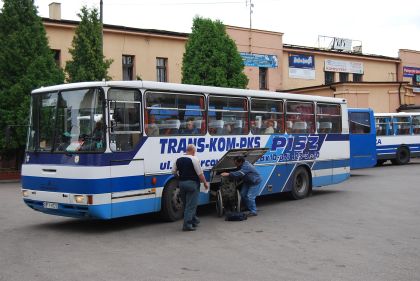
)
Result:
{"points": [[26, 63], [88, 62], [211, 57]]}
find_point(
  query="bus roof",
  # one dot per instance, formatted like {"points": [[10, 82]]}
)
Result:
{"points": [[399, 114], [160, 86]]}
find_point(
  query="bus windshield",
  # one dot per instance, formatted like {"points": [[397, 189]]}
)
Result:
{"points": [[67, 121]]}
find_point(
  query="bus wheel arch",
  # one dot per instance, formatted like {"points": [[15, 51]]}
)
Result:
{"points": [[172, 208], [301, 182], [402, 156]]}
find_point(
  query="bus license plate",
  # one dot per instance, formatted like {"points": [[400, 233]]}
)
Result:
{"points": [[50, 205]]}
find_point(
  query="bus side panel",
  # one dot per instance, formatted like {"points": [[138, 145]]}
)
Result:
{"points": [[341, 170], [363, 145], [130, 194], [322, 173], [274, 177]]}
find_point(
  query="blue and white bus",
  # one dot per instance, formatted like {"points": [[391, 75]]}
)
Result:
{"points": [[397, 137], [105, 149]]}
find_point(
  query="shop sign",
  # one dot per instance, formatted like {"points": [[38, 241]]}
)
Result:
{"points": [[302, 73], [409, 71], [342, 44], [301, 61], [259, 60], [344, 66]]}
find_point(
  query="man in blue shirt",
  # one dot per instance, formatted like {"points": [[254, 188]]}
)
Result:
{"points": [[189, 174], [251, 180]]}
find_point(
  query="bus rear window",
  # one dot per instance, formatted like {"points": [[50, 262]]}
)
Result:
{"points": [[359, 122]]}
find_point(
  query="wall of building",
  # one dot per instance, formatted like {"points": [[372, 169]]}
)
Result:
{"points": [[144, 47], [409, 58], [145, 50], [381, 97], [262, 42], [375, 69]]}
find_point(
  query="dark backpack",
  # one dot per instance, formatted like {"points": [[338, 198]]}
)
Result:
{"points": [[235, 216]]}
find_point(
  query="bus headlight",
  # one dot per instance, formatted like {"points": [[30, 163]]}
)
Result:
{"points": [[25, 193], [80, 199]]}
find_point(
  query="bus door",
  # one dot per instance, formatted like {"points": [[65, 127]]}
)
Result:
{"points": [[130, 196], [362, 138]]}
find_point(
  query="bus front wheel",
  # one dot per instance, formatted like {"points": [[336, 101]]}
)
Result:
{"points": [[172, 206], [402, 156], [301, 184]]}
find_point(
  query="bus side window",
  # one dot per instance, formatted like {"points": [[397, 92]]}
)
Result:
{"points": [[127, 128], [227, 115]]}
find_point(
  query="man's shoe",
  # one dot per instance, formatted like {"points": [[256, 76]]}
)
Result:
{"points": [[251, 214], [188, 228], [196, 221]]}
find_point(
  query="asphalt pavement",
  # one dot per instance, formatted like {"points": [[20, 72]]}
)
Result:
{"points": [[367, 228]]}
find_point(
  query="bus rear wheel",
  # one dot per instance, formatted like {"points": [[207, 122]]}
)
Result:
{"points": [[172, 206], [402, 156], [301, 184]]}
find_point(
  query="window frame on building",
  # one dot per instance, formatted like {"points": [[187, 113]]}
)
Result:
{"points": [[343, 77], [263, 78], [357, 77], [161, 70], [128, 67], [329, 77]]}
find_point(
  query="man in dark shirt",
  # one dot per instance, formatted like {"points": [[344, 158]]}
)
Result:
{"points": [[251, 180], [189, 174]]}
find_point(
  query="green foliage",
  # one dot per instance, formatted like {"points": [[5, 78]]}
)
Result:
{"points": [[88, 62], [211, 57], [26, 63]]}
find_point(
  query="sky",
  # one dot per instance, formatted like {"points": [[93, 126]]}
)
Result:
{"points": [[383, 27]]}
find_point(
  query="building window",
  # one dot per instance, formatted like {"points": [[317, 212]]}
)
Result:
{"points": [[329, 77], [57, 57], [161, 69], [127, 64], [344, 77], [357, 77], [263, 78]]}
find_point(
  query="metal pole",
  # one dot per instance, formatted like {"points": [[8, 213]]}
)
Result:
{"points": [[250, 25], [101, 15]]}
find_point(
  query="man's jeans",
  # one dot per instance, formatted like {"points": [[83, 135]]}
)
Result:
{"points": [[248, 195], [189, 191]]}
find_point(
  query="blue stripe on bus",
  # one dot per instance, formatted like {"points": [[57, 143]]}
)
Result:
{"points": [[337, 137], [412, 145], [86, 159], [96, 186], [328, 164]]}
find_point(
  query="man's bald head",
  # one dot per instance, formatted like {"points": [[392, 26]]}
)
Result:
{"points": [[191, 149]]}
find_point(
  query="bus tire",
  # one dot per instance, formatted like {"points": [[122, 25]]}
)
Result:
{"points": [[402, 156], [172, 206], [301, 184], [219, 204]]}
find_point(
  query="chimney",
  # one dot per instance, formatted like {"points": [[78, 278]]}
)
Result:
{"points": [[55, 11]]}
